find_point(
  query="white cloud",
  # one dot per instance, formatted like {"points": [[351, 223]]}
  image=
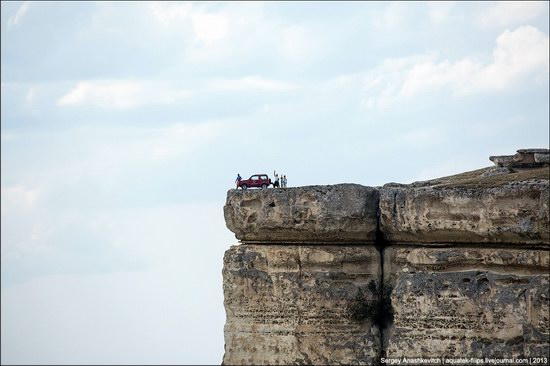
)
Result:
{"points": [[422, 137], [299, 44], [179, 140], [233, 32], [207, 27], [170, 12], [382, 84], [519, 57], [440, 12], [18, 17], [31, 94], [121, 94], [18, 198], [431, 76], [511, 13], [393, 17], [251, 83], [210, 27]]}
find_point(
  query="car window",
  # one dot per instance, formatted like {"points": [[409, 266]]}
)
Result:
{"points": [[255, 177]]}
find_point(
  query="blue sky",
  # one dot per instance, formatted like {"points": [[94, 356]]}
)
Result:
{"points": [[123, 125]]}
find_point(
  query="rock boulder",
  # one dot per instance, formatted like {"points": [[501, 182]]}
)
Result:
{"points": [[479, 209], [342, 213]]}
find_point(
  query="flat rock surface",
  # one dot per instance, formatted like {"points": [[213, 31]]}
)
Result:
{"points": [[473, 207], [290, 304], [470, 302], [342, 213]]}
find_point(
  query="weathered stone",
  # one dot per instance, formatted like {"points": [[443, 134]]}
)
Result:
{"points": [[502, 160], [343, 213], [294, 304], [524, 158], [467, 302], [466, 262], [530, 151], [513, 213], [543, 158]]}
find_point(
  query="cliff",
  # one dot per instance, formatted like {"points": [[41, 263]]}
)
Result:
{"points": [[348, 274]]}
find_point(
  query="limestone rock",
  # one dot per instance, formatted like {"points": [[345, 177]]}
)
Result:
{"points": [[503, 160], [543, 158], [523, 158], [342, 213], [468, 302], [294, 304], [512, 212], [531, 151], [465, 269]]}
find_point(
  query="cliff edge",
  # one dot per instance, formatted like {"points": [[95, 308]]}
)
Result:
{"points": [[347, 274]]}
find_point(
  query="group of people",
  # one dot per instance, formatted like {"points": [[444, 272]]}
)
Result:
{"points": [[276, 183]]}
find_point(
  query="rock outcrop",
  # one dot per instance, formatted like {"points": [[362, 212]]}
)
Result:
{"points": [[524, 158], [493, 210], [343, 213], [347, 274]]}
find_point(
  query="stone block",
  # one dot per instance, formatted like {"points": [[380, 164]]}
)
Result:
{"points": [[514, 213], [503, 160], [542, 158], [294, 304], [342, 213], [467, 302]]}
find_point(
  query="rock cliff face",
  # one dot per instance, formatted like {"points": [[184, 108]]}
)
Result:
{"points": [[504, 209], [467, 301], [301, 304], [347, 274]]}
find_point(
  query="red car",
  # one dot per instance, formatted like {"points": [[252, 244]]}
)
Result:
{"points": [[257, 180]]}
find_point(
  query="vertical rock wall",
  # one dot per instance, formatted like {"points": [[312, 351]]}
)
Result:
{"points": [[289, 304], [479, 302], [467, 265], [346, 274], [304, 287]]}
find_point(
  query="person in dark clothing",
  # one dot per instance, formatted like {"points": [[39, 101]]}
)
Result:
{"points": [[276, 183], [239, 178]]}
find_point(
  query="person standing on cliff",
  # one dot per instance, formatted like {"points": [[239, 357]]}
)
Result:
{"points": [[239, 178], [284, 181], [276, 183]]}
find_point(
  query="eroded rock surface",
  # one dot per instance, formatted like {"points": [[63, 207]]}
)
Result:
{"points": [[465, 269], [467, 301], [289, 304], [523, 158], [475, 209], [343, 213]]}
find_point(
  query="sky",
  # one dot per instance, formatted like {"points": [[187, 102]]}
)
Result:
{"points": [[124, 124]]}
